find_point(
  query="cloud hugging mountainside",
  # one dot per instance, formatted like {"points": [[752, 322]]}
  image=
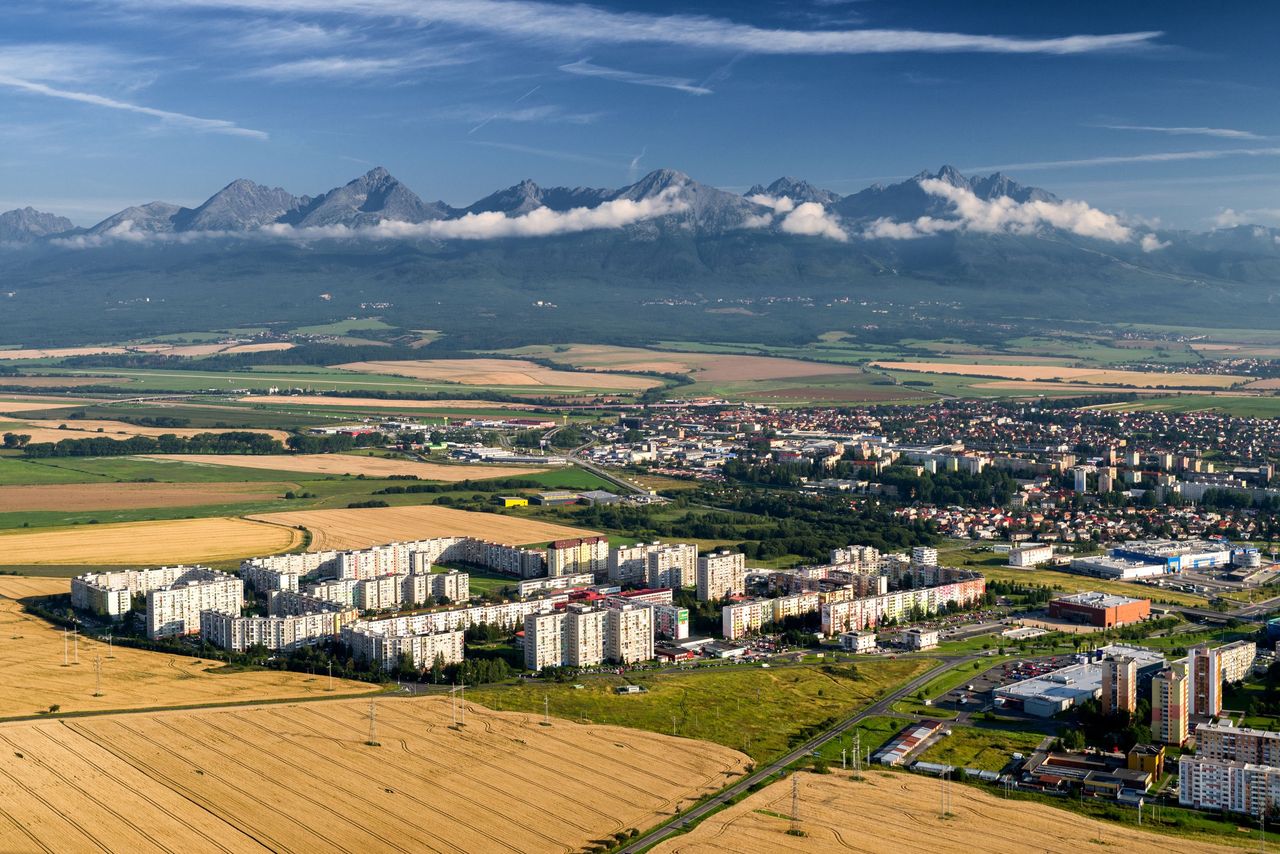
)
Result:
{"points": [[377, 206]]}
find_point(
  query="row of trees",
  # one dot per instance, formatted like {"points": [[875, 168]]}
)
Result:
{"points": [[233, 442]]}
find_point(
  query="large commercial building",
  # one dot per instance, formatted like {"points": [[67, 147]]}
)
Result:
{"points": [[674, 565], [1177, 555], [579, 555], [1047, 695], [1105, 610], [174, 610], [721, 575], [1170, 706], [1119, 684]]}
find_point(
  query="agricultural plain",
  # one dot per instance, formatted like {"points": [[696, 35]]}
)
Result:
{"points": [[350, 464], [34, 677], [159, 542], [31, 403], [888, 813], [501, 372], [361, 528], [301, 778], [703, 367], [22, 586]]}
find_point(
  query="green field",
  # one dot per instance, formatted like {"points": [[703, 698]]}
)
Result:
{"points": [[16, 470], [748, 708], [346, 327], [986, 748], [1241, 407]]}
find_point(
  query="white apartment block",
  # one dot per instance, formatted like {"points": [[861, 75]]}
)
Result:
{"points": [[856, 555], [265, 579], [578, 555], [505, 615], [423, 649], [1030, 554], [544, 641], [110, 594], [628, 634], [584, 636], [1220, 741], [1238, 787], [860, 642], [673, 566], [857, 615], [744, 618], [560, 582], [237, 634], [174, 610], [924, 556], [630, 564], [1235, 660], [721, 575]]}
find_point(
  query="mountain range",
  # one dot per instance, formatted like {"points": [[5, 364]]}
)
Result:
{"points": [[663, 258], [377, 196]]}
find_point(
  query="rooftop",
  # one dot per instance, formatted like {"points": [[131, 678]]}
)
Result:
{"points": [[1098, 600]]}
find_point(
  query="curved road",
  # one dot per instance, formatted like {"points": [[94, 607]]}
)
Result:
{"points": [[680, 822]]}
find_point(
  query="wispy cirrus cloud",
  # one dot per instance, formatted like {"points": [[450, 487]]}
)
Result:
{"points": [[585, 68], [584, 24], [59, 71], [540, 113], [1221, 133], [168, 117], [1153, 157], [272, 37], [355, 68]]}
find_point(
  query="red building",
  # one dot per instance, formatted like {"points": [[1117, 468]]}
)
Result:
{"points": [[1104, 610]]}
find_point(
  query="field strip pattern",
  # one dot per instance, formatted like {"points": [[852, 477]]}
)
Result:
{"points": [[349, 464], [161, 542], [364, 527], [301, 778], [889, 813]]}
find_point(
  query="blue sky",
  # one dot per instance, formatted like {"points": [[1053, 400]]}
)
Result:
{"points": [[1159, 111]]}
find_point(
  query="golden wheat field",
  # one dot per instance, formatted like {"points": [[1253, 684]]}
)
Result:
{"points": [[501, 372], [1090, 376], [20, 586], [29, 403], [34, 678], [378, 402], [364, 527], [300, 777], [889, 813], [704, 367], [56, 431], [71, 497], [352, 464], [156, 543]]}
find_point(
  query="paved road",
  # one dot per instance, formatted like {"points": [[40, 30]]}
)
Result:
{"points": [[679, 822]]}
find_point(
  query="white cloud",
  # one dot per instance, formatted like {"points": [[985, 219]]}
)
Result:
{"points": [[542, 222], [1003, 215], [1222, 133], [1151, 243], [354, 68], [1154, 157], [809, 218], [1229, 218], [286, 37], [580, 23], [584, 68], [813, 219], [172, 119], [549, 113]]}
